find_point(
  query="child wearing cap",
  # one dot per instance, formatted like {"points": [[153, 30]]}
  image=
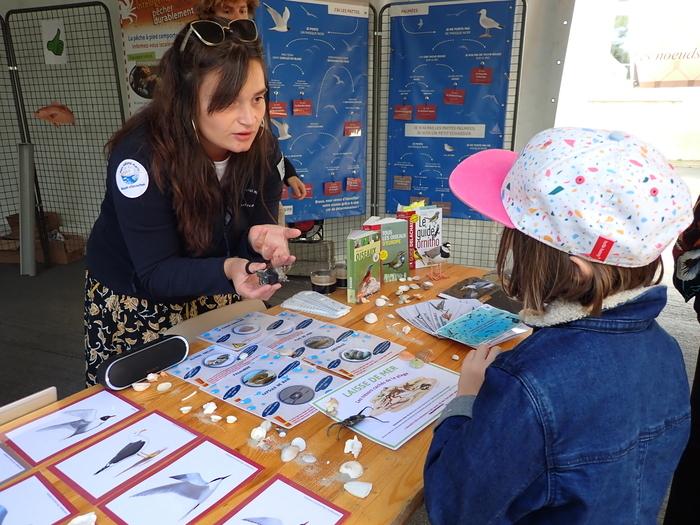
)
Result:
{"points": [[585, 420]]}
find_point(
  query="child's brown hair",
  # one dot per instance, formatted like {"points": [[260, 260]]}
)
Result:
{"points": [[541, 274], [207, 8]]}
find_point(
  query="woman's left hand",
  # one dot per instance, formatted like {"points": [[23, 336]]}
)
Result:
{"points": [[270, 241], [474, 369]]}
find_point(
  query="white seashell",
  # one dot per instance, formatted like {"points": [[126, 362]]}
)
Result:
{"points": [[140, 387], [188, 396], [308, 458], [266, 425], [353, 446], [406, 329], [289, 453], [152, 377], [402, 279], [390, 304], [455, 357], [283, 434], [185, 410], [231, 419], [379, 302], [84, 519], [364, 300], [427, 285], [331, 406], [352, 468], [403, 299], [258, 433], [384, 297], [164, 387], [299, 443], [414, 286], [371, 318], [359, 489], [404, 288], [215, 418], [391, 316], [209, 408]]}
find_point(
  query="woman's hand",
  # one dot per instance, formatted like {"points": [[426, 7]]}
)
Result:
{"points": [[474, 369], [248, 285], [270, 241]]}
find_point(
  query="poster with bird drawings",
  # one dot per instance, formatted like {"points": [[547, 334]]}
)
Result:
{"points": [[108, 464], [10, 466], [317, 62], [50, 434], [185, 489], [282, 502], [33, 500], [449, 72]]}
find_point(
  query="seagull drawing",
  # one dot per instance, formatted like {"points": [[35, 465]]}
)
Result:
{"points": [[307, 12], [487, 23], [338, 80], [144, 459], [348, 47], [282, 129], [280, 21], [85, 420], [190, 486], [420, 23], [127, 451], [331, 106], [397, 261], [434, 217]]}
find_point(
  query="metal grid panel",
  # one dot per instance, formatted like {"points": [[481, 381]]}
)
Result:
{"points": [[70, 162], [9, 138]]}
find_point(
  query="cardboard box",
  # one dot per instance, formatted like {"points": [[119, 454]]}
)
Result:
{"points": [[53, 222], [62, 252]]}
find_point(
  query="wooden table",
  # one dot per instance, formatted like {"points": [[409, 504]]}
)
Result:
{"points": [[397, 476]]}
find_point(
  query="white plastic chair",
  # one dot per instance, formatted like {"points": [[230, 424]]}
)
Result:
{"points": [[28, 404]]}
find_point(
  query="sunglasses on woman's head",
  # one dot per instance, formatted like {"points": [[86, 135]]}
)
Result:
{"points": [[212, 33]]}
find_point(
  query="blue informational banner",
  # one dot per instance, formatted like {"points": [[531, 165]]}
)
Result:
{"points": [[449, 74], [317, 60]]}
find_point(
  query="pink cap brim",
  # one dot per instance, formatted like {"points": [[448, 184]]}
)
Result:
{"points": [[478, 179]]}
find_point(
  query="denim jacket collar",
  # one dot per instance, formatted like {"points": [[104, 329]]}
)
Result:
{"points": [[561, 312]]}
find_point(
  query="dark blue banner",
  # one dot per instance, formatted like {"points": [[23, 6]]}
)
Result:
{"points": [[449, 74], [317, 64]]}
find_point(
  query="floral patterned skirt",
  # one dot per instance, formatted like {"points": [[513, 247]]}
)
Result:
{"points": [[115, 323]]}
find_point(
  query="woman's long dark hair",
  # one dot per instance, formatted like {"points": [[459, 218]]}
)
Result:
{"points": [[179, 164]]}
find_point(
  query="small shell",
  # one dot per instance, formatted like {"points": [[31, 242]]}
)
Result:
{"points": [[404, 288], [188, 396], [352, 468], [215, 418], [331, 406], [283, 434], [209, 408], [266, 425], [402, 279], [414, 286], [84, 519], [308, 458], [299, 443], [380, 302], [152, 377], [406, 329], [289, 453], [353, 446], [364, 300], [231, 419], [427, 285], [185, 410], [140, 387], [359, 489], [258, 433], [403, 299], [391, 316], [371, 318], [384, 297], [455, 357], [164, 387]]}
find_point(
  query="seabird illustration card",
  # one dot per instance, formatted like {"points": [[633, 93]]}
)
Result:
{"points": [[399, 399], [275, 387], [185, 489], [282, 501], [108, 464], [33, 500], [42, 438], [10, 466], [243, 331]]}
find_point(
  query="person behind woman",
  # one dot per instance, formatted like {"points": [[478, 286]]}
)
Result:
{"points": [[192, 196], [584, 421]]}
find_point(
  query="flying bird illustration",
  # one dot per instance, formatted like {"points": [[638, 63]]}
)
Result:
{"points": [[144, 459], [331, 106], [420, 23], [338, 80], [434, 217], [85, 420], [3, 513], [191, 486], [282, 129], [487, 23], [348, 47], [280, 21], [397, 261], [307, 12], [127, 450]]}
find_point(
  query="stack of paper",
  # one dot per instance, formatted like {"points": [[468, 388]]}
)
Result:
{"points": [[317, 304]]}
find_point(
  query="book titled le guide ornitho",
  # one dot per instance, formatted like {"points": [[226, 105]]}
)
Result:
{"points": [[424, 234], [364, 274], [394, 246]]}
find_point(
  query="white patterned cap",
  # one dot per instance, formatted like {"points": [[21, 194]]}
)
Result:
{"points": [[605, 196]]}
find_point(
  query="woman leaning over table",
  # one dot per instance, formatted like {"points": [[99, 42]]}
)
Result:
{"points": [[191, 196]]}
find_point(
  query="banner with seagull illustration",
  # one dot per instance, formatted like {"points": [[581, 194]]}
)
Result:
{"points": [[449, 76], [317, 60]]}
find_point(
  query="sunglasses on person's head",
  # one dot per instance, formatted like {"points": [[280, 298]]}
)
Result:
{"points": [[211, 33]]}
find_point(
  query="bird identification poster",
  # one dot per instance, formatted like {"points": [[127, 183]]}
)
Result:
{"points": [[106, 465], [9, 466], [449, 77], [399, 398], [50, 434], [185, 489], [317, 62], [33, 500]]}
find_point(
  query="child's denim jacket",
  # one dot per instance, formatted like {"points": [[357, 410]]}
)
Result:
{"points": [[583, 422]]}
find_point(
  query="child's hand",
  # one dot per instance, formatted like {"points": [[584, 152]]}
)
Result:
{"points": [[297, 187], [474, 369]]}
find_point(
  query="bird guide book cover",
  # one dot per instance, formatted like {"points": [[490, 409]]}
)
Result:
{"points": [[364, 275], [393, 254], [424, 235]]}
